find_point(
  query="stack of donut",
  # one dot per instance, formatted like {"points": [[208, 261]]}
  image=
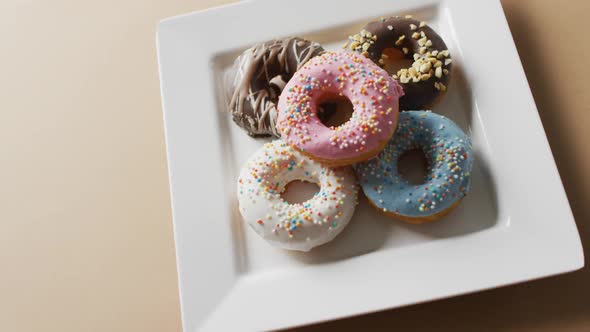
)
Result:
{"points": [[276, 89]]}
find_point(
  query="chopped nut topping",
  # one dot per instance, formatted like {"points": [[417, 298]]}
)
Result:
{"points": [[428, 43], [422, 24], [447, 61], [438, 72], [361, 41], [425, 68], [413, 27], [390, 27], [400, 40], [415, 35], [421, 69], [408, 16], [405, 50], [422, 50], [422, 41], [440, 86], [445, 71], [422, 34], [435, 52]]}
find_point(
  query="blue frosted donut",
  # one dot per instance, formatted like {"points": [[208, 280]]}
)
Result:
{"points": [[448, 152]]}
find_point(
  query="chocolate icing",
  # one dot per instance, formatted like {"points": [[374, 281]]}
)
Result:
{"points": [[261, 73], [400, 33]]}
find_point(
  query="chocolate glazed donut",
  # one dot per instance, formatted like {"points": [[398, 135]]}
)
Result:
{"points": [[261, 73], [428, 77]]}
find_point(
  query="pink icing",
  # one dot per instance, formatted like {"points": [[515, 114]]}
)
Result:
{"points": [[373, 94]]}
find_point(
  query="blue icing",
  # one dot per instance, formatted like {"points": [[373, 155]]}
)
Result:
{"points": [[448, 151]]}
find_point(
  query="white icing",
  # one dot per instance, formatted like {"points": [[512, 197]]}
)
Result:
{"points": [[320, 219]]}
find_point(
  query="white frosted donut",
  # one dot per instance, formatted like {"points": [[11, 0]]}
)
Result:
{"points": [[300, 226]]}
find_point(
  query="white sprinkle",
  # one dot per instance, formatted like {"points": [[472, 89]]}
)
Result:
{"points": [[389, 27]]}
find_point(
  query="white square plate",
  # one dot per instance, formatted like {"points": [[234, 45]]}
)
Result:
{"points": [[515, 225]]}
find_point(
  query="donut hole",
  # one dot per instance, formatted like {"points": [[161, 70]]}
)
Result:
{"points": [[297, 191], [334, 110], [413, 166], [394, 60]]}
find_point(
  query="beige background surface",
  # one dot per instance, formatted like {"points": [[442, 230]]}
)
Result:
{"points": [[85, 228]]}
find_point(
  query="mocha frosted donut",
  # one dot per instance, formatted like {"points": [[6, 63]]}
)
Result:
{"points": [[259, 75]]}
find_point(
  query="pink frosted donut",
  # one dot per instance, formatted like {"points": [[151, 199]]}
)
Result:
{"points": [[374, 97]]}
